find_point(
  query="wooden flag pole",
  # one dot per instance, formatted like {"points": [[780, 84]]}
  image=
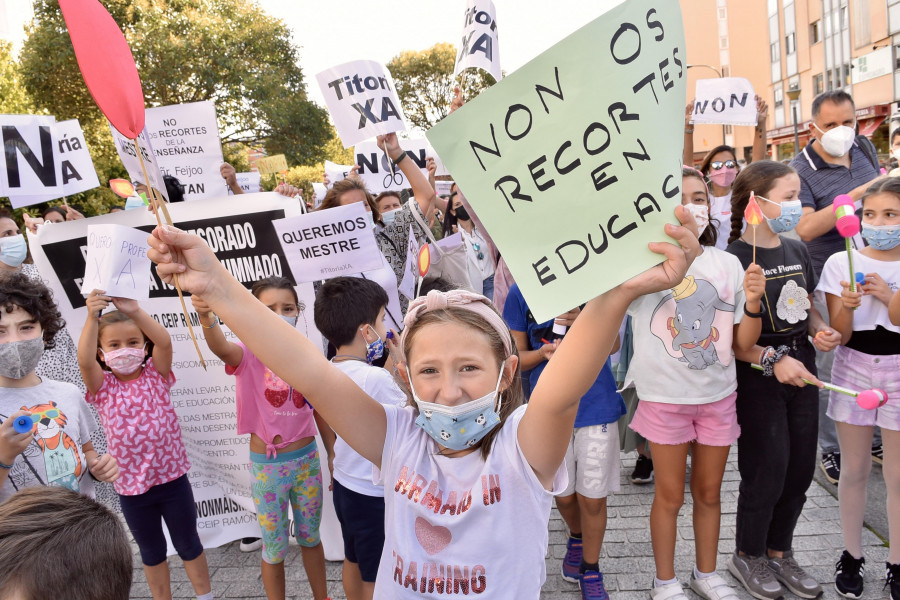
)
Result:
{"points": [[156, 204]]}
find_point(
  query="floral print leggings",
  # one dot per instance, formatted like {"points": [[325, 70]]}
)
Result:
{"points": [[292, 477]]}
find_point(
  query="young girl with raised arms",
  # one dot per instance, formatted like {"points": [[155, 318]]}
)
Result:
{"points": [[284, 460], [128, 380], [869, 357], [683, 371], [469, 472], [779, 423]]}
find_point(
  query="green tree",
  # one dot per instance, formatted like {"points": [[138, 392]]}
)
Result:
{"points": [[226, 51], [425, 83], [14, 98]]}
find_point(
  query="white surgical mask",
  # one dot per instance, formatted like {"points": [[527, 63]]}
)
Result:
{"points": [[389, 216], [838, 141], [896, 154], [369, 219]]}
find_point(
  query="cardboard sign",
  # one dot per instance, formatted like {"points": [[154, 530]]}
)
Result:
{"points": [[573, 162], [129, 158], [362, 100], [28, 163], [74, 167], [117, 262], [336, 172], [724, 101], [186, 143], [251, 183], [329, 243], [375, 168], [479, 48], [407, 287], [271, 164], [240, 232]]}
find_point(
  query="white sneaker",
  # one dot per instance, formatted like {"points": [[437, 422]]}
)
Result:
{"points": [[670, 591], [713, 588], [249, 544]]}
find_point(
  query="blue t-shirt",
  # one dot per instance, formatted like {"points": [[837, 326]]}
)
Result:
{"points": [[602, 403]]}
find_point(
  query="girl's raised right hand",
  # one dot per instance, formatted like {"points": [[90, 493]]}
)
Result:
{"points": [[186, 255], [849, 299], [678, 258], [96, 302]]}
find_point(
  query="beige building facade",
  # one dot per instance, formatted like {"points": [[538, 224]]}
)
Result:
{"points": [[805, 46]]}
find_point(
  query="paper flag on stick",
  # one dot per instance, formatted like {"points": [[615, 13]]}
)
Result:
{"points": [[753, 213], [106, 64], [424, 260], [121, 187]]}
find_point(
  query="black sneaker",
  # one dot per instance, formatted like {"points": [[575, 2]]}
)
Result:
{"points": [[831, 466], [643, 470], [893, 579], [878, 455], [848, 575]]}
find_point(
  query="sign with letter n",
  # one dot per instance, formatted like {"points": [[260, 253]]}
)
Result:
{"points": [[573, 162]]}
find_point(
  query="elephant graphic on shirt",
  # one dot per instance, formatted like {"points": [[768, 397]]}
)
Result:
{"points": [[692, 327]]}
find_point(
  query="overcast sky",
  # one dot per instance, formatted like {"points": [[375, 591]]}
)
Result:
{"points": [[338, 31]]}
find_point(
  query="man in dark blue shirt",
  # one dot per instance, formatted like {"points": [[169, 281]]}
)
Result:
{"points": [[836, 162]]}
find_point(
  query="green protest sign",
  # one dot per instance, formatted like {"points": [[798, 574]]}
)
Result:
{"points": [[573, 161]]}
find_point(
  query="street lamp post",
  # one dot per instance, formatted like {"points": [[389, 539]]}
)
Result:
{"points": [[719, 75], [793, 95]]}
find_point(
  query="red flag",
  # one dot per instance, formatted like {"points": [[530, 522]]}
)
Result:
{"points": [[106, 64]]}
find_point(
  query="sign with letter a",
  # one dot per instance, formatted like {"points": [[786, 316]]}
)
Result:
{"points": [[362, 100], [479, 47]]}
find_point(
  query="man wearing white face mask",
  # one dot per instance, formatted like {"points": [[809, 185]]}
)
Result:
{"points": [[836, 162]]}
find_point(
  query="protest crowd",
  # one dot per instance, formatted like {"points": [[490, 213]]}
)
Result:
{"points": [[394, 358]]}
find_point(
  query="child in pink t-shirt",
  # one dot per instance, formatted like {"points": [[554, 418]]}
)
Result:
{"points": [[131, 394], [283, 455]]}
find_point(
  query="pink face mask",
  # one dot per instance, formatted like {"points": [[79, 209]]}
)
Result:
{"points": [[124, 361], [724, 177]]}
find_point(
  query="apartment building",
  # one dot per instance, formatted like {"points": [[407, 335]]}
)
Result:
{"points": [[791, 51]]}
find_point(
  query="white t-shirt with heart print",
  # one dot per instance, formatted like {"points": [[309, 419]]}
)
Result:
{"points": [[461, 526]]}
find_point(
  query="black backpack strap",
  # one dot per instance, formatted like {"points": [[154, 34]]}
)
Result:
{"points": [[868, 148]]}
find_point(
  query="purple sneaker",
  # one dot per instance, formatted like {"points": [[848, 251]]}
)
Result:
{"points": [[592, 587], [571, 566]]}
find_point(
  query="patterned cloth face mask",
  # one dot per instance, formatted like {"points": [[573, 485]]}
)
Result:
{"points": [[374, 350], [791, 211], [461, 426], [124, 361], [882, 237], [18, 359]]}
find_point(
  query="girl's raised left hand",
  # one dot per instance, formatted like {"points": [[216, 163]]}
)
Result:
{"points": [[126, 305]]}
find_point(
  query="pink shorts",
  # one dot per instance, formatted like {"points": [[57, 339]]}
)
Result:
{"points": [[859, 371], [713, 424]]}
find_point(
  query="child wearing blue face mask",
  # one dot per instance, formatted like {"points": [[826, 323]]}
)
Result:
{"points": [[456, 520], [350, 313], [869, 357], [777, 412], [283, 455]]}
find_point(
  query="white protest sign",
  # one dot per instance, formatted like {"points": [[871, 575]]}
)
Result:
{"points": [[249, 182], [329, 243], [239, 230], [479, 47], [375, 168], [335, 172], [28, 161], [724, 101], [186, 143], [117, 262], [129, 158], [362, 100], [75, 168], [442, 187], [319, 191], [407, 287]]}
